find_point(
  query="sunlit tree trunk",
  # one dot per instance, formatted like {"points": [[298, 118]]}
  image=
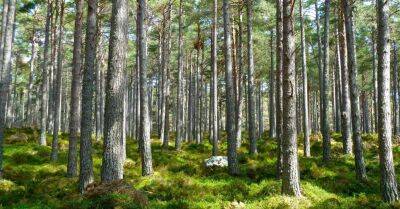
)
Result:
{"points": [[290, 168], [45, 69], [278, 80], [306, 127], [230, 95], [5, 80], [112, 164], [326, 139], [388, 181], [144, 140], [354, 92]]}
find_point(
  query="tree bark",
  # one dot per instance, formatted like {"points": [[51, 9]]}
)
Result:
{"points": [[214, 80], [354, 93], [45, 69], [272, 112], [306, 127], [250, 80], [5, 81], [396, 107], [179, 112], [88, 88], [144, 140], [290, 171], [112, 164], [230, 95], [345, 102], [279, 30], [57, 86], [326, 139], [388, 176]]}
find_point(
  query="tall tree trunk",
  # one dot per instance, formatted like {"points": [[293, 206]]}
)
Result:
{"points": [[179, 112], [214, 80], [319, 62], [230, 95], [112, 164], [260, 111], [375, 80], [345, 102], [272, 112], [290, 169], [29, 105], [45, 69], [396, 106], [279, 30], [144, 140], [250, 80], [3, 34], [5, 81], [57, 86], [388, 176], [88, 88], [325, 88], [239, 80], [306, 127], [354, 92]]}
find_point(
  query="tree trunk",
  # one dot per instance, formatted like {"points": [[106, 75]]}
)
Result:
{"points": [[326, 139], [3, 34], [45, 68], [290, 169], [305, 84], [57, 87], [29, 105], [145, 151], [214, 80], [354, 92], [279, 30], [388, 176], [396, 107], [250, 80], [345, 102], [272, 112], [179, 112], [112, 167], [5, 81], [230, 95]]}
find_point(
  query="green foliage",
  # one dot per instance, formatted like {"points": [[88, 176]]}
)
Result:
{"points": [[182, 181]]}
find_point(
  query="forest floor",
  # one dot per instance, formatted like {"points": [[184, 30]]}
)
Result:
{"points": [[181, 181]]}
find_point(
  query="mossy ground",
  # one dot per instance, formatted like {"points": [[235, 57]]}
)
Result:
{"points": [[180, 180]]}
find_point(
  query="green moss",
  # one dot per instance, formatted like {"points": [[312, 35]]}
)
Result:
{"points": [[181, 180]]}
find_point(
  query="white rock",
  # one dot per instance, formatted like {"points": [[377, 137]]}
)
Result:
{"points": [[216, 161]]}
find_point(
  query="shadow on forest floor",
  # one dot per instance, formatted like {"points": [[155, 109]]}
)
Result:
{"points": [[181, 181]]}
